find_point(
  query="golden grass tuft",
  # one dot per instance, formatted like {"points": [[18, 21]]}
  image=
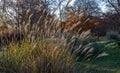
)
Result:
{"points": [[36, 57]]}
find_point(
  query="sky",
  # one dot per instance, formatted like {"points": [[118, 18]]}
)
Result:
{"points": [[101, 4], [72, 2]]}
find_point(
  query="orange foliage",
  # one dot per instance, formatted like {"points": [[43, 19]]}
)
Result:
{"points": [[80, 23]]}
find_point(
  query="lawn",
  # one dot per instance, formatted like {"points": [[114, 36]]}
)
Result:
{"points": [[112, 61], [106, 64]]}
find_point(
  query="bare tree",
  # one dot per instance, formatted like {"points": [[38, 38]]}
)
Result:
{"points": [[91, 6]]}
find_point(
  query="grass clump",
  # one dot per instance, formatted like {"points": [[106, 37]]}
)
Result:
{"points": [[47, 48], [17, 58], [36, 57]]}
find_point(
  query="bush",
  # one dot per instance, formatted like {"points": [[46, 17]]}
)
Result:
{"points": [[114, 36]]}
